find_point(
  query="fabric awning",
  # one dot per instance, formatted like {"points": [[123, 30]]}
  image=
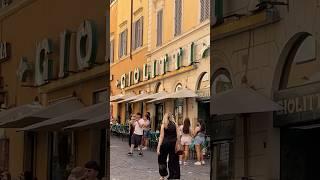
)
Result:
{"points": [[8, 117], [99, 121], [151, 96], [242, 100], [116, 98], [69, 119], [132, 98], [121, 97], [43, 113], [183, 93]]}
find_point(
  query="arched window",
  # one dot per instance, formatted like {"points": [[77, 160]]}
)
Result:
{"points": [[221, 81], [178, 105], [203, 81], [178, 87], [157, 88], [299, 67]]}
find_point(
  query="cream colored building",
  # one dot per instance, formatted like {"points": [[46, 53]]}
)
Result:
{"points": [[274, 51]]}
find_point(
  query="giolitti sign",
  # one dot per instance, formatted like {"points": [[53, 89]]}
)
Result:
{"points": [[86, 46]]}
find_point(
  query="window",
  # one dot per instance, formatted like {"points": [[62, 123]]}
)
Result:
{"points": [[100, 96], [204, 10], [223, 160], [221, 81], [137, 39], [159, 27], [177, 17], [178, 106], [123, 43], [111, 51]]}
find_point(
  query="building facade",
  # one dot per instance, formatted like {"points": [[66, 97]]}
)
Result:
{"points": [[271, 48], [54, 57], [173, 74]]}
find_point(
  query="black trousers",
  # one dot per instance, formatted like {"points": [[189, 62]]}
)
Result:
{"points": [[173, 164]]}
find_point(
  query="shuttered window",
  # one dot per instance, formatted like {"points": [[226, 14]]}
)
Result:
{"points": [[204, 10], [159, 27], [111, 51], [123, 43], [177, 17], [137, 39]]}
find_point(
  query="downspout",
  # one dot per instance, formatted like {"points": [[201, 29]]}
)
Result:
{"points": [[131, 20]]}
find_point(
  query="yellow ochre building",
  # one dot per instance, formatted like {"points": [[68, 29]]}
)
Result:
{"points": [[161, 59]]}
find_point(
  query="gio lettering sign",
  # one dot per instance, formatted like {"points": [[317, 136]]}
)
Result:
{"points": [[85, 51], [180, 57]]}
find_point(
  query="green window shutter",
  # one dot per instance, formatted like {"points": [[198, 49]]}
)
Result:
{"points": [[218, 9]]}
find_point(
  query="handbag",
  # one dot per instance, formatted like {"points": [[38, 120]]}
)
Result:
{"points": [[180, 150]]}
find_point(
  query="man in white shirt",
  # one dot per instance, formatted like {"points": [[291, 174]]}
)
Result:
{"points": [[136, 138]]}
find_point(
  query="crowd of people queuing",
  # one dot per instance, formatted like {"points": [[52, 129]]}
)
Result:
{"points": [[173, 145]]}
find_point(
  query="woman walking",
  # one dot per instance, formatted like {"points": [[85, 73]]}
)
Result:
{"points": [[198, 141], [168, 145], [146, 131], [186, 138]]}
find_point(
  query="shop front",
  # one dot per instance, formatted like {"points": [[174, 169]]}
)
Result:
{"points": [[298, 92], [44, 70]]}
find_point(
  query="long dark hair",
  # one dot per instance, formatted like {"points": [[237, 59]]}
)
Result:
{"points": [[186, 126], [202, 125]]}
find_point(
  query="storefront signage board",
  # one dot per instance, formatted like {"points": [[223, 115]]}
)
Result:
{"points": [[301, 105]]}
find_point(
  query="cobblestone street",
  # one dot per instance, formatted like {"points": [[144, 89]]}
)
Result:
{"points": [[124, 167]]}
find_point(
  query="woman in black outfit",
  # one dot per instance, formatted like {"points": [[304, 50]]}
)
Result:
{"points": [[168, 145]]}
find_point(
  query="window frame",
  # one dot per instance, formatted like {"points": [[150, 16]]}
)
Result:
{"points": [[159, 34], [123, 43], [174, 18]]}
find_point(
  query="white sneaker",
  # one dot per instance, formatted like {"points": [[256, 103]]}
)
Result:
{"points": [[203, 163], [185, 163], [180, 162], [198, 163]]}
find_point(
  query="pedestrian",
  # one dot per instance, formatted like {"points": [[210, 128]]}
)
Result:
{"points": [[131, 127], [92, 170], [77, 173], [169, 143], [186, 138], [199, 139], [146, 131], [136, 138]]}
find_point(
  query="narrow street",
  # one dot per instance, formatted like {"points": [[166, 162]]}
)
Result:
{"points": [[124, 167]]}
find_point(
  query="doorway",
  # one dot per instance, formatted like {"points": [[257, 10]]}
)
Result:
{"points": [[204, 110], [158, 117], [299, 154]]}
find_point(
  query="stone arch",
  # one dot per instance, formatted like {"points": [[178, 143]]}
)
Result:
{"points": [[200, 77], [283, 66]]}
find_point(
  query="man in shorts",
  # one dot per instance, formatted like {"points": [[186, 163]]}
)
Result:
{"points": [[136, 138]]}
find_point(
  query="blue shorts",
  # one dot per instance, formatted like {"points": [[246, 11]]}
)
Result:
{"points": [[146, 133], [198, 140]]}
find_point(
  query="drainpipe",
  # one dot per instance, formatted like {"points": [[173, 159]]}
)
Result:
{"points": [[131, 20]]}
